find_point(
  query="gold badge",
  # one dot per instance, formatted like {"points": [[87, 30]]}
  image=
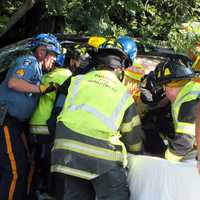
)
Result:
{"points": [[20, 72]]}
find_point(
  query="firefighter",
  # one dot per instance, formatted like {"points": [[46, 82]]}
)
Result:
{"points": [[157, 122], [18, 97], [96, 127], [183, 91]]}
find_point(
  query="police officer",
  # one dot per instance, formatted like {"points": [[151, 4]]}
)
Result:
{"points": [[41, 139], [184, 94], [18, 97], [89, 152]]}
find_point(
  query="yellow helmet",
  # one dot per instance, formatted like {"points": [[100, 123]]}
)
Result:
{"points": [[96, 41]]}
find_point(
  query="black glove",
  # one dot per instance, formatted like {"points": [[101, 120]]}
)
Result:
{"points": [[64, 87], [46, 88]]}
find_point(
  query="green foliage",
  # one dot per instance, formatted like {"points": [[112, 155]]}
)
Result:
{"points": [[148, 19], [7, 8], [3, 21], [56, 7], [182, 39]]}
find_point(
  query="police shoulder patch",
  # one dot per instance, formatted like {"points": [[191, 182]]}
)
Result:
{"points": [[20, 72], [27, 62]]}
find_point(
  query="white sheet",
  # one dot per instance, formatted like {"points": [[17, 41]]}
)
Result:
{"points": [[153, 178]]}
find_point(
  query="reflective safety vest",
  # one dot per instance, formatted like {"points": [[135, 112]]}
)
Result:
{"points": [[87, 141], [38, 121], [189, 92]]}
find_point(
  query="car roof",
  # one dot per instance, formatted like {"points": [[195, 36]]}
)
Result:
{"points": [[151, 55]]}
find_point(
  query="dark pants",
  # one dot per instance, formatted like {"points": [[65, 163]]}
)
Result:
{"points": [[109, 186], [42, 181], [13, 162]]}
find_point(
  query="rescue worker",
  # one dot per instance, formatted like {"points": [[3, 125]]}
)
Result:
{"points": [[183, 91], [88, 157], [77, 59], [18, 97], [78, 63], [38, 121], [157, 122]]}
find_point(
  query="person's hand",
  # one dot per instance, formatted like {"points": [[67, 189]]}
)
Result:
{"points": [[46, 88]]}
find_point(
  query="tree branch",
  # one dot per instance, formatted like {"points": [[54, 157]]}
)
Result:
{"points": [[28, 4]]}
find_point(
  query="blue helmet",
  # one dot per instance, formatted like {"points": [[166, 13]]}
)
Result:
{"points": [[48, 40], [129, 46], [60, 60]]}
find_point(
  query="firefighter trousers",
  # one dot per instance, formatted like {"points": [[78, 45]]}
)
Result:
{"points": [[109, 186]]}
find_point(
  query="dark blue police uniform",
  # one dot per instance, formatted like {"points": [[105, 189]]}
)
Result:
{"points": [[20, 105]]}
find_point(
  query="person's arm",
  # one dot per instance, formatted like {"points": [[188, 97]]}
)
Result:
{"points": [[21, 85], [131, 131], [58, 105], [22, 74], [63, 89], [183, 141], [197, 134]]}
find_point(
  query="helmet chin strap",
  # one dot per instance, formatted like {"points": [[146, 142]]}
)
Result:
{"points": [[119, 73]]}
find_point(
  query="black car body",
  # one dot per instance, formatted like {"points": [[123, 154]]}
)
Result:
{"points": [[149, 55]]}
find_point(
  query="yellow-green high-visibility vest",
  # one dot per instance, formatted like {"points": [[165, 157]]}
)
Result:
{"points": [[189, 92], [38, 125], [93, 111]]}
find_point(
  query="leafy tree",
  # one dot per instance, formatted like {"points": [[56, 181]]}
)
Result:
{"points": [[148, 19], [7, 8]]}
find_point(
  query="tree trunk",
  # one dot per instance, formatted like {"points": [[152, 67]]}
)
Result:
{"points": [[19, 14], [32, 18]]}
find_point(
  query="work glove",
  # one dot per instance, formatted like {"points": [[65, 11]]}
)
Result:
{"points": [[46, 88]]}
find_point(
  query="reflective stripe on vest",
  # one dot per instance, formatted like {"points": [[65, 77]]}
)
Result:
{"points": [[126, 127], [39, 130], [89, 150], [108, 121], [135, 147], [73, 172], [171, 156], [186, 94], [186, 128]]}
